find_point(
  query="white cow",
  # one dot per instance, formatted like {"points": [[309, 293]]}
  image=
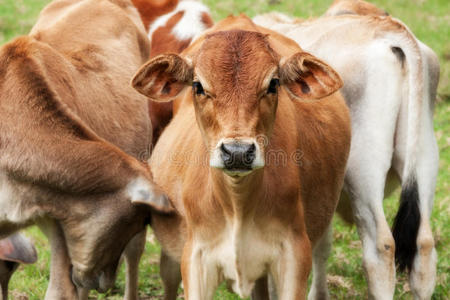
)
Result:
{"points": [[390, 81]]}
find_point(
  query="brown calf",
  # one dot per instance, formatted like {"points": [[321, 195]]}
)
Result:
{"points": [[253, 160], [73, 135]]}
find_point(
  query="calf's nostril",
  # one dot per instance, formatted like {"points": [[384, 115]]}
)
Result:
{"points": [[250, 154]]}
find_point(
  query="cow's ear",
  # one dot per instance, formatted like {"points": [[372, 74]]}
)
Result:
{"points": [[163, 78], [17, 248], [307, 77], [142, 191]]}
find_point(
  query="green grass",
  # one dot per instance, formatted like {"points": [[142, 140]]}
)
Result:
{"points": [[429, 20]]}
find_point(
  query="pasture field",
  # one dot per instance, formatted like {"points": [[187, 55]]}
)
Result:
{"points": [[430, 22]]}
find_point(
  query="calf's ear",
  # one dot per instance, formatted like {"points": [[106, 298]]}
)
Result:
{"points": [[306, 77], [163, 78], [142, 191], [17, 248]]}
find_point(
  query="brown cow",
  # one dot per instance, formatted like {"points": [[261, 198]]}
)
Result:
{"points": [[253, 160], [73, 135]]}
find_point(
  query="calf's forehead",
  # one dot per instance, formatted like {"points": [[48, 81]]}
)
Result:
{"points": [[229, 60]]}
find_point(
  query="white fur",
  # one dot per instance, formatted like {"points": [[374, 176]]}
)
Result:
{"points": [[217, 162], [15, 205], [229, 257], [190, 25]]}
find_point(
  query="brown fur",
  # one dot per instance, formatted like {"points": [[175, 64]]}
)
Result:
{"points": [[291, 199], [74, 134], [152, 9], [164, 41]]}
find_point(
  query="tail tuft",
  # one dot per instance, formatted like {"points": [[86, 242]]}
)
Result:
{"points": [[406, 226]]}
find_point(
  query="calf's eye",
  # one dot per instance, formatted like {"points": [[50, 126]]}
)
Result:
{"points": [[198, 88], [273, 85]]}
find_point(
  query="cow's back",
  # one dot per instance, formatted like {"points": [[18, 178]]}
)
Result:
{"points": [[90, 68]]}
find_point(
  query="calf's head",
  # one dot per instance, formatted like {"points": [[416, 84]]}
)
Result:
{"points": [[235, 79]]}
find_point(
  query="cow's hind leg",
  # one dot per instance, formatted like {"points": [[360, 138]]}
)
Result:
{"points": [[321, 251], [364, 183], [171, 276]]}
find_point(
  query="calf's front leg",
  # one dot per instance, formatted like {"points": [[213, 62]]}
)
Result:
{"points": [[291, 270], [200, 278]]}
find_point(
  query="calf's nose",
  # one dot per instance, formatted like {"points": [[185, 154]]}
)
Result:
{"points": [[238, 156]]}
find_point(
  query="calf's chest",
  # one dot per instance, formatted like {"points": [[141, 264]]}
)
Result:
{"points": [[241, 254]]}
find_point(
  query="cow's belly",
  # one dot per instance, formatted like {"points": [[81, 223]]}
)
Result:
{"points": [[242, 255]]}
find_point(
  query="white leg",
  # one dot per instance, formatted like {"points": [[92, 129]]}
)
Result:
{"points": [[377, 240], [374, 119], [200, 278], [290, 272], [321, 251], [132, 253], [364, 183], [423, 273]]}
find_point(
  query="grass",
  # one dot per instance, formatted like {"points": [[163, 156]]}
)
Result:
{"points": [[429, 20]]}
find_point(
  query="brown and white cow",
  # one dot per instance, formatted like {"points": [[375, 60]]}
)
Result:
{"points": [[150, 10], [171, 32], [390, 82], [253, 159], [73, 135]]}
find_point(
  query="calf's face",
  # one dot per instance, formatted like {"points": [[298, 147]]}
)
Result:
{"points": [[236, 78]]}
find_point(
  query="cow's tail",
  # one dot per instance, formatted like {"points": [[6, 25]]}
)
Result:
{"points": [[407, 221]]}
